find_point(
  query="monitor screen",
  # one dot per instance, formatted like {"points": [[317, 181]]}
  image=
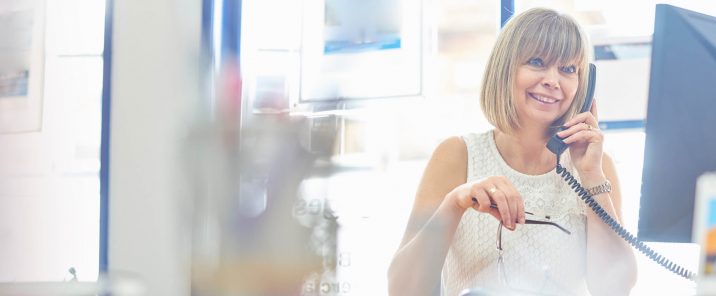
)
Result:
{"points": [[680, 122]]}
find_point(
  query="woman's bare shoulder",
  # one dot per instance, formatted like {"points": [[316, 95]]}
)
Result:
{"points": [[451, 153], [447, 167]]}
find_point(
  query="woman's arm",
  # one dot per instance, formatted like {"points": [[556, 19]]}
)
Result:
{"points": [[441, 200], [416, 266], [611, 265]]}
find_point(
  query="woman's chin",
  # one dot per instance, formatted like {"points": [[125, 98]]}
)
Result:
{"points": [[543, 120]]}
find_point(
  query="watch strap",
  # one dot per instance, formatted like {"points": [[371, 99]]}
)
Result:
{"points": [[601, 188]]}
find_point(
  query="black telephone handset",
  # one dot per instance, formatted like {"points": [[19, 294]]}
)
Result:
{"points": [[557, 146], [555, 143]]}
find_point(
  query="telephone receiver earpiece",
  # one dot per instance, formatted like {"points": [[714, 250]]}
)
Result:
{"points": [[555, 144]]}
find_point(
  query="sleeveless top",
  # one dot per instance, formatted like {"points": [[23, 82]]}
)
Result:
{"points": [[536, 259]]}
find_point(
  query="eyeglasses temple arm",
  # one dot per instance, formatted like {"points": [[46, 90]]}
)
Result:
{"points": [[529, 221]]}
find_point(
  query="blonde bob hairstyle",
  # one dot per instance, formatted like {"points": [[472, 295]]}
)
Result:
{"points": [[538, 32]]}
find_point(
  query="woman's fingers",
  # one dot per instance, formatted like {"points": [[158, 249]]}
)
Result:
{"points": [[481, 198], [498, 191], [585, 117], [500, 199], [516, 204], [581, 131], [585, 124]]}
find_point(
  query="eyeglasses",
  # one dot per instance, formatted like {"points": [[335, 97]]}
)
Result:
{"points": [[501, 271], [529, 221]]}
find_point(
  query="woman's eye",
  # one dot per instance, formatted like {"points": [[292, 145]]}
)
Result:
{"points": [[537, 62], [569, 69]]}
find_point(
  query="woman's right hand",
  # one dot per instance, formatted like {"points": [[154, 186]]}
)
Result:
{"points": [[497, 190]]}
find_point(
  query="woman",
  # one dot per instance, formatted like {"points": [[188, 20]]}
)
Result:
{"points": [[535, 81]]}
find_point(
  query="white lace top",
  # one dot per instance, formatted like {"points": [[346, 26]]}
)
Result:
{"points": [[538, 259]]}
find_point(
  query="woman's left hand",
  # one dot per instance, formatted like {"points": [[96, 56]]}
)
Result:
{"points": [[585, 141]]}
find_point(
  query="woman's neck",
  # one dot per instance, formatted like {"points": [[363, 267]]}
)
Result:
{"points": [[524, 150]]}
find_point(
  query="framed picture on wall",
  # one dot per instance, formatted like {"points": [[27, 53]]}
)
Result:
{"points": [[21, 65], [360, 49]]}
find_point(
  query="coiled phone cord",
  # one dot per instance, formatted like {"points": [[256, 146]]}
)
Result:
{"points": [[614, 225]]}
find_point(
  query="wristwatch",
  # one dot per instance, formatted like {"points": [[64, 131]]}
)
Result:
{"points": [[601, 188]]}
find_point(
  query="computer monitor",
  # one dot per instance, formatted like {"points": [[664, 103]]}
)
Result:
{"points": [[680, 123]]}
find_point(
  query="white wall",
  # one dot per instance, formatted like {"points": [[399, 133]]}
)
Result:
{"points": [[154, 94], [49, 184]]}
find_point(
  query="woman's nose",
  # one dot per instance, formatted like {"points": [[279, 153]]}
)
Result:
{"points": [[551, 78]]}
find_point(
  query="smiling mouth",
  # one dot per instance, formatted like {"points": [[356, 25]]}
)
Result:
{"points": [[542, 99]]}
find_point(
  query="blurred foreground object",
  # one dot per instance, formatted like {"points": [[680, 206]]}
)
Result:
{"points": [[246, 239]]}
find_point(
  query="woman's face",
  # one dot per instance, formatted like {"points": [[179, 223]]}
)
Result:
{"points": [[543, 92]]}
